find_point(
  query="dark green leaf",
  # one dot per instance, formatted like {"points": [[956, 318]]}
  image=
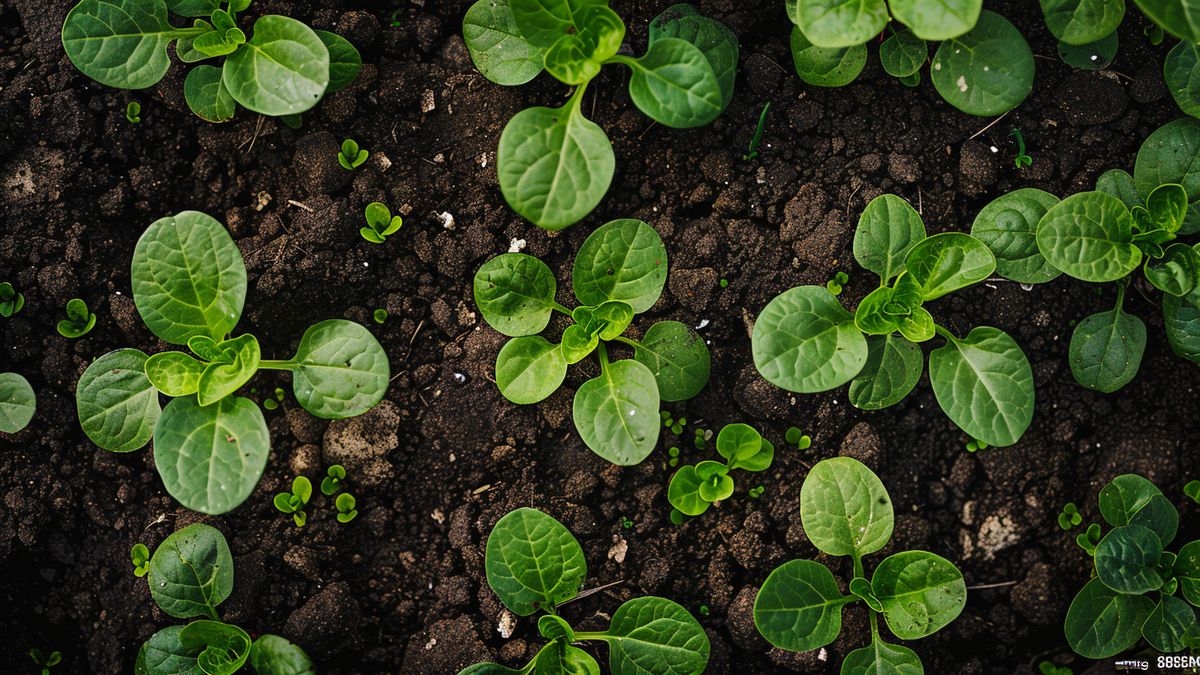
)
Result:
{"points": [[1127, 560], [118, 407], [844, 508], [528, 369], [191, 572], [1168, 625], [1102, 623], [1169, 156], [206, 95], [1106, 350], [718, 44], [1008, 226], [937, 20], [342, 372], [1096, 55], [840, 23], [678, 358], [1079, 22], [673, 84], [344, 60], [893, 368], [283, 69], [887, 230], [984, 384], [533, 562], [987, 71], [921, 593], [120, 43], [655, 635], [1089, 236], [903, 54], [616, 413], [496, 45], [826, 66], [515, 293], [273, 655], [799, 607], [947, 262], [622, 260], [804, 341]]}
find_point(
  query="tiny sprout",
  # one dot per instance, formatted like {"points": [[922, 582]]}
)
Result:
{"points": [[1069, 517], [756, 492], [394, 20], [975, 445], [673, 451], [380, 221], [1048, 668], [758, 132], [627, 523], [380, 315], [133, 112], [79, 320], [351, 156], [677, 517], [45, 661], [798, 438], [1192, 490], [295, 501], [724, 283], [1089, 539], [1022, 160], [704, 608], [11, 301], [332, 482], [273, 403], [702, 438], [345, 505], [837, 283], [140, 555]]}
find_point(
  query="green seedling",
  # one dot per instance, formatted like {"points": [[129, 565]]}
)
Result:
{"points": [[694, 488], [345, 504], [983, 65], [380, 221], [79, 320], [282, 68], [756, 492], [394, 19], [1088, 539], [133, 112], [683, 80], [975, 445], [351, 157], [675, 425], [380, 315], [982, 381], [752, 152], [11, 301], [139, 555], [45, 661], [1048, 668], [627, 523], [534, 565], [1070, 516], [703, 610], [845, 511], [618, 273], [272, 402], [1154, 34], [332, 482], [1192, 490], [191, 573], [1021, 160], [211, 445], [673, 456], [838, 283], [294, 502], [703, 436], [17, 403], [797, 439], [1141, 590]]}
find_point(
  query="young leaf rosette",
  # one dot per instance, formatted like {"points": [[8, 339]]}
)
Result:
{"points": [[845, 511], [619, 272], [805, 341], [694, 488], [211, 445]]}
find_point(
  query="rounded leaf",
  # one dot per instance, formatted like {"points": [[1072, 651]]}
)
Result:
{"points": [[118, 407], [17, 403], [893, 368], [881, 658], [1102, 623], [1008, 226], [1181, 70], [1127, 560], [343, 371], [1119, 184], [616, 413], [496, 45], [887, 230], [174, 373], [528, 369], [984, 384], [805, 341], [515, 294], [622, 260], [1079, 22], [674, 84], [1180, 19], [1169, 156], [844, 508], [921, 593], [987, 71], [273, 655], [1169, 624], [677, 357], [1106, 350], [683, 492], [1096, 55], [206, 95], [1130, 499], [283, 69], [1089, 236], [937, 20], [655, 635], [799, 607], [903, 54], [191, 572], [947, 262], [119, 43], [826, 66], [718, 44], [1187, 571], [240, 358], [344, 61], [533, 562], [840, 23]]}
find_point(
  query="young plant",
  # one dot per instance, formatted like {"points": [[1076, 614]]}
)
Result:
{"points": [[79, 320], [752, 152], [805, 341], [272, 402], [139, 555], [11, 301], [1141, 590], [346, 504], [191, 573], [1070, 516], [332, 482], [982, 67], [1021, 160], [351, 157], [379, 316], [619, 271], [133, 112], [694, 488], [534, 564], [845, 511], [380, 221], [294, 502], [837, 283], [45, 661], [210, 445], [283, 68], [1192, 490], [17, 403], [797, 438], [554, 164]]}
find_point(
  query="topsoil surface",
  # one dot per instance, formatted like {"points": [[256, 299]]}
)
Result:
{"points": [[401, 589]]}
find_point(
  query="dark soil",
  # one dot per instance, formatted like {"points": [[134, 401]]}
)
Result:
{"points": [[401, 589]]}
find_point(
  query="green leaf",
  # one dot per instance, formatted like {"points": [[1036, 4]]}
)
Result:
{"points": [[120, 43], [655, 635], [1169, 156], [515, 294], [241, 356], [496, 45], [210, 458], [1102, 623], [533, 562], [1167, 207], [984, 384], [191, 572], [529, 369], [881, 658], [273, 655], [872, 316], [283, 69], [1181, 320], [117, 406], [903, 54], [616, 413], [1106, 350], [343, 371], [1132, 500], [1119, 184], [799, 607], [1181, 19], [987, 71], [577, 344], [804, 341], [622, 260], [947, 262], [1089, 236], [921, 593], [554, 165], [840, 23], [1181, 70], [1096, 55], [826, 66], [164, 652], [193, 8], [221, 649], [576, 58], [677, 357], [1168, 625], [1187, 571], [844, 508], [1127, 560], [1177, 272], [718, 44], [1079, 22], [918, 326], [673, 84], [683, 492], [206, 95], [887, 230], [893, 368], [543, 22], [174, 373], [1008, 226], [344, 60], [17, 403], [716, 488], [937, 20], [743, 447], [560, 658]]}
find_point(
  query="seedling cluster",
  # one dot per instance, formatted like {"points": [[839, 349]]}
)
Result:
{"points": [[694, 488]]}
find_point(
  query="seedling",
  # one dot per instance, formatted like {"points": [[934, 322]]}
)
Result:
{"points": [[380, 221], [17, 403], [332, 482], [11, 301], [627, 523], [619, 272], [351, 157], [975, 445], [837, 283], [79, 320], [694, 488], [684, 80], [380, 315], [210, 445], [534, 565], [345, 504], [675, 425], [294, 502], [983, 382], [723, 283], [1192, 490], [45, 661], [282, 69], [1022, 160], [1069, 517], [703, 436], [1088, 539], [273, 401], [1081, 25], [1141, 590], [1048, 668], [673, 455], [139, 555], [752, 152], [133, 112], [845, 511], [797, 439], [191, 573], [982, 67], [756, 492]]}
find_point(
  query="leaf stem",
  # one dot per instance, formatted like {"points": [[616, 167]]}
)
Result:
{"points": [[628, 341], [602, 353], [945, 333], [1121, 294], [560, 308], [275, 364], [593, 635]]}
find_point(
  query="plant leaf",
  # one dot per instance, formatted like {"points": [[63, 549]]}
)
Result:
{"points": [[718, 44], [799, 607], [616, 413], [677, 357], [984, 384], [673, 84], [1078, 22], [881, 658], [844, 508], [987, 71], [1106, 350], [921, 593], [344, 61], [17, 403], [622, 260], [1119, 184], [497, 47], [1168, 625], [117, 406], [826, 66], [1127, 560], [119, 43], [174, 373], [206, 95], [1187, 571], [515, 293], [543, 22], [1180, 19], [1132, 500], [283, 69], [1102, 623], [1089, 236], [529, 369], [219, 380], [1008, 226], [191, 572], [887, 230], [902, 55], [1096, 55], [655, 635], [273, 655], [840, 23], [533, 562], [937, 20], [1181, 70], [343, 370], [683, 492], [221, 648], [893, 368], [804, 341], [947, 262], [1168, 156]]}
